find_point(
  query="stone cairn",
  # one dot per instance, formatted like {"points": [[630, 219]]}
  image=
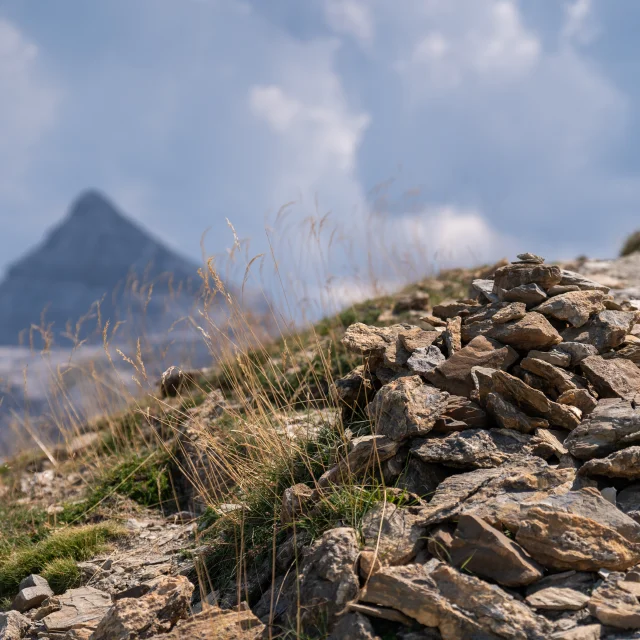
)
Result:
{"points": [[512, 418]]}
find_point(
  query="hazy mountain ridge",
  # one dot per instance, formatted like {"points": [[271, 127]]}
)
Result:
{"points": [[92, 253]]}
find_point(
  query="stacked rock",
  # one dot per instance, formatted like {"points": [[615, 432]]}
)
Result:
{"points": [[514, 417]]}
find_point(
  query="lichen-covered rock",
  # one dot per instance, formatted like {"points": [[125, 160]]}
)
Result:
{"points": [[425, 359], [156, 612], [13, 625], [615, 603], [406, 407], [78, 610], [472, 448]]}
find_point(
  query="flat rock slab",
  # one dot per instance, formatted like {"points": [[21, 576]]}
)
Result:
{"points": [[558, 599], [460, 606], [454, 375], [571, 278], [621, 464], [533, 331], [472, 448], [80, 609], [575, 307], [613, 425], [488, 553], [616, 606], [516, 275], [529, 294], [612, 378]]}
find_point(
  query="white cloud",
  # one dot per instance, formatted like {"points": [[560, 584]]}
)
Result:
{"points": [[579, 26], [27, 107], [350, 17]]}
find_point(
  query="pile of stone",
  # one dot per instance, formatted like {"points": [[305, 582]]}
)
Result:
{"points": [[512, 418]]}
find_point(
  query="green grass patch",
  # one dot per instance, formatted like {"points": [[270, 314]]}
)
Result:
{"points": [[62, 574], [70, 544]]}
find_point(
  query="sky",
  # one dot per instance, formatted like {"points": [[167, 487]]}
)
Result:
{"points": [[455, 129]]}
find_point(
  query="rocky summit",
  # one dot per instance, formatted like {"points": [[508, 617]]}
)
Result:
{"points": [[93, 254], [474, 474]]}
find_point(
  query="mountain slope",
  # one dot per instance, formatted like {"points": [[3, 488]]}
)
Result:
{"points": [[93, 252]]}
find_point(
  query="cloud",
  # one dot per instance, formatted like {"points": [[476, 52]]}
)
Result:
{"points": [[28, 108], [579, 25], [352, 18]]}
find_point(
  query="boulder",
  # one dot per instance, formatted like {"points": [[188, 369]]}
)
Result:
{"points": [[575, 307], [32, 592], [471, 449], [531, 332], [615, 378], [613, 425], [406, 407], [454, 375], [488, 553]]}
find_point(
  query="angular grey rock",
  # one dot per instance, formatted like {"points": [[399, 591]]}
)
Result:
{"points": [[32, 592], [395, 533], [454, 375], [575, 307], [569, 278], [451, 308], [613, 425], [517, 275], [531, 332], [425, 359], [529, 294], [606, 330], [406, 407], [555, 357], [13, 625], [621, 464], [559, 289], [577, 351], [488, 553], [471, 449], [327, 578], [508, 416], [461, 606], [484, 288], [614, 378]]}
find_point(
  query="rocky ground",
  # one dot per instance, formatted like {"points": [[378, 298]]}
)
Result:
{"points": [[485, 482]]}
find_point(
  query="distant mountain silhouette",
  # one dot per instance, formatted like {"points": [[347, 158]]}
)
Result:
{"points": [[94, 253]]}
